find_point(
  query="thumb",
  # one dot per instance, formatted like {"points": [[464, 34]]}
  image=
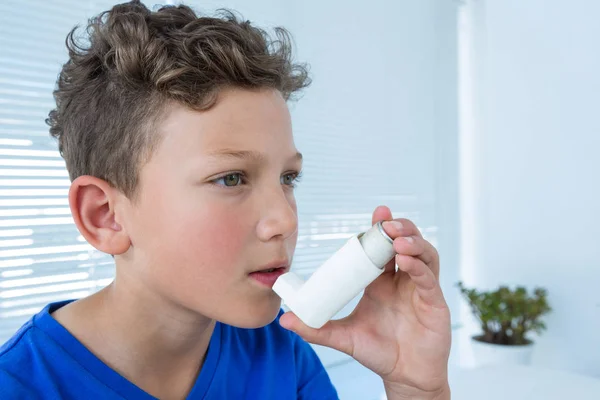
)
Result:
{"points": [[333, 334], [381, 213]]}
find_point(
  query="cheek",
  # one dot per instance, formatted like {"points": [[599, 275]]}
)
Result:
{"points": [[214, 233], [172, 227]]}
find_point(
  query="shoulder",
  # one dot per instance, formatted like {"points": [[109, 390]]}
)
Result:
{"points": [[31, 356], [18, 343], [22, 351], [12, 387], [16, 363]]}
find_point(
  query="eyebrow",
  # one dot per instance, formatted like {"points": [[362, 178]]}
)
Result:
{"points": [[247, 155]]}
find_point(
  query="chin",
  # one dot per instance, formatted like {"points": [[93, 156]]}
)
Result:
{"points": [[254, 316]]}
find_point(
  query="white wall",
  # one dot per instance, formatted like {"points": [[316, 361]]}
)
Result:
{"points": [[530, 144]]}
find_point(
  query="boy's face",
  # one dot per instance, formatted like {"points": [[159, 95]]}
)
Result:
{"points": [[216, 203]]}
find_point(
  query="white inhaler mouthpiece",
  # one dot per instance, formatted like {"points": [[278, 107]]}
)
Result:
{"points": [[340, 279]]}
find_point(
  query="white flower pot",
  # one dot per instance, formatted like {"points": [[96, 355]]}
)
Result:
{"points": [[486, 353]]}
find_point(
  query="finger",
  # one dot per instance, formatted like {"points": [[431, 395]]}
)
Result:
{"points": [[333, 334], [426, 284], [418, 247], [405, 228], [401, 227], [381, 213]]}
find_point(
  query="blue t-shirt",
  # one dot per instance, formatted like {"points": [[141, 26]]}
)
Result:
{"points": [[44, 361]]}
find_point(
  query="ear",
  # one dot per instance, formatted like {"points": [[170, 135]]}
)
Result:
{"points": [[93, 203]]}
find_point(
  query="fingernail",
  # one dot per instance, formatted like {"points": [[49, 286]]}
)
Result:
{"points": [[409, 239], [393, 224]]}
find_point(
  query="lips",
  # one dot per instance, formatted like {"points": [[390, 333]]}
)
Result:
{"points": [[269, 273], [274, 266]]}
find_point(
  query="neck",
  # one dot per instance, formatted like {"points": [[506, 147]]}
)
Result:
{"points": [[152, 342]]}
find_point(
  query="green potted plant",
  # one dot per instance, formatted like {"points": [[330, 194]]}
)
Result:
{"points": [[506, 316]]}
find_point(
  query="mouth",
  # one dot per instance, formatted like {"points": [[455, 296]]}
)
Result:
{"points": [[268, 274]]}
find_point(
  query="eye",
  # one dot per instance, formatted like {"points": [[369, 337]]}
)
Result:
{"points": [[230, 180], [291, 178]]}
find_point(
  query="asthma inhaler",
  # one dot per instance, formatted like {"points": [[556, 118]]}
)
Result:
{"points": [[340, 279]]}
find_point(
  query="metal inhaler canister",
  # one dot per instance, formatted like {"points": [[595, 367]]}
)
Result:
{"points": [[340, 279]]}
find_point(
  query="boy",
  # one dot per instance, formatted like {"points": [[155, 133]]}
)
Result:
{"points": [[178, 141]]}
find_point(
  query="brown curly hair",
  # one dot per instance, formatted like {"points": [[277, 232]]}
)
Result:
{"points": [[112, 92]]}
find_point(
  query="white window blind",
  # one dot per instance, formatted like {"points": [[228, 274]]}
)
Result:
{"points": [[369, 127], [43, 258]]}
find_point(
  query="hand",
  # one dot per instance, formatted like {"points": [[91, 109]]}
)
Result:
{"points": [[400, 329]]}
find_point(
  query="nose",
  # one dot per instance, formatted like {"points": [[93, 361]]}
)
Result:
{"points": [[279, 218]]}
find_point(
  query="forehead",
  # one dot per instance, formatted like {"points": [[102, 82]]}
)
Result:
{"points": [[241, 119]]}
